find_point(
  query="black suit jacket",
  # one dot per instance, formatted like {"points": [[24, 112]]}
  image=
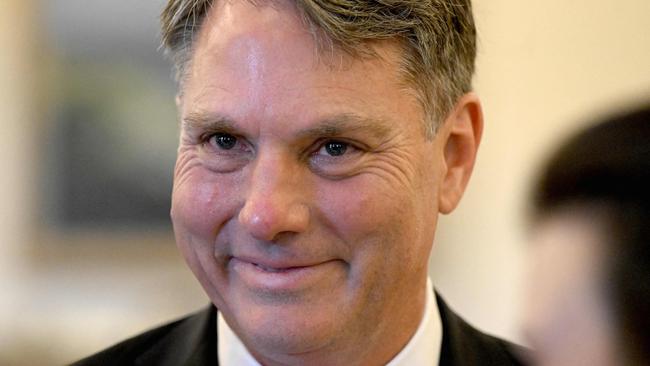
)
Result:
{"points": [[193, 341]]}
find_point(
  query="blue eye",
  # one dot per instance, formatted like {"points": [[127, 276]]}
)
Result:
{"points": [[335, 148], [224, 141]]}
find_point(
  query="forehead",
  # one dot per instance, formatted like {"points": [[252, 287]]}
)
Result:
{"points": [[263, 59], [236, 30]]}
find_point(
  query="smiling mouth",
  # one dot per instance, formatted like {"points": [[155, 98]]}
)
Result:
{"points": [[278, 266], [281, 277], [276, 270]]}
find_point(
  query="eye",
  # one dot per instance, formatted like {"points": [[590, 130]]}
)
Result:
{"points": [[337, 159], [334, 148], [224, 141], [223, 152]]}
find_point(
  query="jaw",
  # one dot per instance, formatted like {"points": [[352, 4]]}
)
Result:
{"points": [[321, 331]]}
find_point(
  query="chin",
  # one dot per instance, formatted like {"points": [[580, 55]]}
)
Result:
{"points": [[290, 328]]}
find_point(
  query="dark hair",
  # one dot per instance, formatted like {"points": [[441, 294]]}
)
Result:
{"points": [[607, 167]]}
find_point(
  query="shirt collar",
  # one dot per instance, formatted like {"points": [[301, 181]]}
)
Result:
{"points": [[422, 349]]}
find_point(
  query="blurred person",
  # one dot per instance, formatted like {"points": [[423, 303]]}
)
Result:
{"points": [[319, 142], [589, 292]]}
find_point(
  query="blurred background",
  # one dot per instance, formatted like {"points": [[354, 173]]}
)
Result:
{"points": [[87, 255]]}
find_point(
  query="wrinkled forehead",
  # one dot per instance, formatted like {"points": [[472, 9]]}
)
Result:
{"points": [[236, 31], [279, 30], [263, 63], [270, 46]]}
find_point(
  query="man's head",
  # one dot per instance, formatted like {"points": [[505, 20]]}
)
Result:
{"points": [[306, 192], [590, 292]]}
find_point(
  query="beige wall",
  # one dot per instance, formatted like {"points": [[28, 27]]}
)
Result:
{"points": [[543, 67]]}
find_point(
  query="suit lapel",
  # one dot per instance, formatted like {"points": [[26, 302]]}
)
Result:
{"points": [[463, 345], [192, 343]]}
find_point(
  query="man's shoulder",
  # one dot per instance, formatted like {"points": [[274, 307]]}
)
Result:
{"points": [[462, 344], [186, 341], [192, 341]]}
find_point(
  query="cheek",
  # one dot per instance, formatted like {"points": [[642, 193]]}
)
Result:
{"points": [[201, 203], [377, 223]]}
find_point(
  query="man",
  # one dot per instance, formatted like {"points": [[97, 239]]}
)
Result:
{"points": [[591, 227], [319, 141]]}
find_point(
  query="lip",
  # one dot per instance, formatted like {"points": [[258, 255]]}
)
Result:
{"points": [[279, 276]]}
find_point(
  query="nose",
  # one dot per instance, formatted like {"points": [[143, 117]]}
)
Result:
{"points": [[274, 204]]}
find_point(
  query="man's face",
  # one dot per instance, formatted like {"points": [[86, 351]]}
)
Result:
{"points": [[305, 193]]}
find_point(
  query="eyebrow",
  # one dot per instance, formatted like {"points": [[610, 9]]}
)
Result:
{"points": [[342, 124], [331, 126], [210, 122]]}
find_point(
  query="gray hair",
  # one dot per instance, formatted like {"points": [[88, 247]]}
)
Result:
{"points": [[438, 38]]}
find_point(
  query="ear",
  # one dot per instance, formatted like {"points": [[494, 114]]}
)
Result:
{"points": [[463, 128]]}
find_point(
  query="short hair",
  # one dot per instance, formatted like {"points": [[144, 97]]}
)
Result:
{"points": [[605, 170], [438, 38]]}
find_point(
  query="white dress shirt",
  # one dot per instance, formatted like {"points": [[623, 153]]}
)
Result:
{"points": [[422, 349]]}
